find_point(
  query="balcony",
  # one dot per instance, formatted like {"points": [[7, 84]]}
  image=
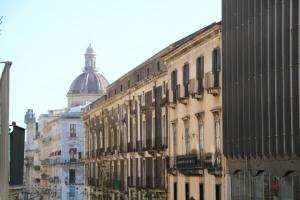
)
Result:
{"points": [[37, 167], [212, 83], [73, 135], [117, 184], [37, 180], [28, 161], [44, 176], [191, 164], [213, 162]]}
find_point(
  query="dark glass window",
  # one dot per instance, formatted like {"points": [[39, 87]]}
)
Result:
{"points": [[128, 84], [158, 66]]}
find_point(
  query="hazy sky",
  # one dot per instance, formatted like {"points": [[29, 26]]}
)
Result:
{"points": [[46, 41]]}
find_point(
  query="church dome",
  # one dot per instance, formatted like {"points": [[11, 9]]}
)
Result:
{"points": [[90, 81]]}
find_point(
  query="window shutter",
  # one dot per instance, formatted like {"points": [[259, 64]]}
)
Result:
{"points": [[186, 74], [174, 79]]}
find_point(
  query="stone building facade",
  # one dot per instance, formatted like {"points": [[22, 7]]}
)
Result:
{"points": [[197, 167], [126, 136], [157, 134]]}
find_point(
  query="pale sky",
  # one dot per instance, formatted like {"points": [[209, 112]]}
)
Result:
{"points": [[46, 41]]}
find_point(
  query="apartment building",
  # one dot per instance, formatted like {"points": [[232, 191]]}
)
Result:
{"points": [[126, 136], [60, 148], [197, 165], [261, 97]]}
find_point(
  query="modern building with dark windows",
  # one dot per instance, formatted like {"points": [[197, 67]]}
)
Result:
{"points": [[260, 93]]}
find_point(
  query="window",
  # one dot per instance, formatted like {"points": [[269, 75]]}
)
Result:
{"points": [[144, 132], [200, 74], [143, 99], [218, 192], [72, 130], [200, 117], [201, 191], [115, 91], [164, 137], [72, 176], [118, 138], [153, 129], [175, 141], [128, 84], [187, 191], [185, 79], [174, 84], [216, 65], [121, 88], [217, 136], [72, 153], [148, 71], [187, 140], [133, 132], [175, 191], [137, 77], [158, 66], [164, 89], [113, 142], [139, 167], [153, 94], [106, 134]]}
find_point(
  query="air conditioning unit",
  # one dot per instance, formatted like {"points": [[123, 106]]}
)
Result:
{"points": [[180, 94], [209, 84], [209, 80], [192, 86]]}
